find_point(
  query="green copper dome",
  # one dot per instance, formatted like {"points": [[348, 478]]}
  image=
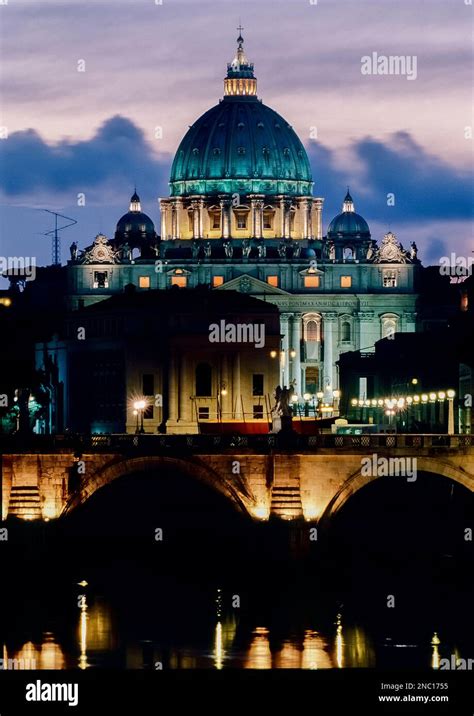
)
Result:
{"points": [[241, 145], [348, 223], [135, 227]]}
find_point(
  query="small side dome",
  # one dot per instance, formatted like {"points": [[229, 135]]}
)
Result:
{"points": [[135, 228], [348, 223]]}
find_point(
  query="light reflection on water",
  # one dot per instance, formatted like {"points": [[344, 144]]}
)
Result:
{"points": [[97, 639]]}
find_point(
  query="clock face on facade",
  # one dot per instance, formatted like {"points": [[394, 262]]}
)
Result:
{"points": [[390, 253], [100, 254]]}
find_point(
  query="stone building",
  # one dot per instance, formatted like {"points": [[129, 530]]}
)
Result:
{"points": [[178, 352], [242, 216]]}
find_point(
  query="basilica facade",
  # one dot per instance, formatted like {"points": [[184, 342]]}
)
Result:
{"points": [[242, 216]]}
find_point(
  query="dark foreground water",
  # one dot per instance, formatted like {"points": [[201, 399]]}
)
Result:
{"points": [[390, 585]]}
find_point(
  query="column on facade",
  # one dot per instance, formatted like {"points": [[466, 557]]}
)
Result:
{"points": [[184, 392], [285, 356], [196, 219], [369, 331], [296, 345], [253, 217], [224, 386], [225, 203], [201, 217], [173, 389], [236, 389], [287, 229], [282, 216], [318, 218], [328, 374], [173, 221], [178, 209], [164, 219], [257, 205], [304, 206], [310, 219]]}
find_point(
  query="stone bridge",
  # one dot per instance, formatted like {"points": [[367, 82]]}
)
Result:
{"points": [[308, 477]]}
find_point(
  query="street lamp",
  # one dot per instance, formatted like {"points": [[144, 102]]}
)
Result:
{"points": [[450, 394], [390, 413], [139, 409]]}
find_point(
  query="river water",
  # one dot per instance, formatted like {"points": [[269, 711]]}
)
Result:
{"points": [[101, 591]]}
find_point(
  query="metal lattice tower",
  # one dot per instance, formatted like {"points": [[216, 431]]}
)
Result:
{"points": [[55, 237]]}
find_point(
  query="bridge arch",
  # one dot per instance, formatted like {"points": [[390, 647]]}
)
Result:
{"points": [[236, 493], [357, 481]]}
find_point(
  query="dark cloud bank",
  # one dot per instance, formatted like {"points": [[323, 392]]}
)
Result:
{"points": [[426, 188]]}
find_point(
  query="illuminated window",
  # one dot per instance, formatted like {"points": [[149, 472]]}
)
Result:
{"points": [[215, 219], [101, 279], [272, 281], [217, 281], [268, 219], [312, 336], [346, 281], [389, 325], [312, 332], [241, 220], [144, 281], [311, 281], [180, 281], [389, 279]]}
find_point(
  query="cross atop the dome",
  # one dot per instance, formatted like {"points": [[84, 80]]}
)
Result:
{"points": [[240, 39], [240, 79]]}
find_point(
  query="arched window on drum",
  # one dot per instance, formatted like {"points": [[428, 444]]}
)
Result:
{"points": [[312, 337]]}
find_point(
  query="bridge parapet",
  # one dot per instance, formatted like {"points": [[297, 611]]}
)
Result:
{"points": [[262, 475], [150, 444]]}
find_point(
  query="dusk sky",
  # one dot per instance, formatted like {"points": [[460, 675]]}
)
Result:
{"points": [[149, 65]]}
